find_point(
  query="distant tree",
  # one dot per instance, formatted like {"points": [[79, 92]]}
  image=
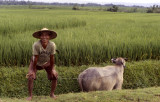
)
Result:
{"points": [[149, 10], [135, 9], [153, 9], [114, 8], [75, 7], [29, 4]]}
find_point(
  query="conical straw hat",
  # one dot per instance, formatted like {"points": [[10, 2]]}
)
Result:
{"points": [[52, 34]]}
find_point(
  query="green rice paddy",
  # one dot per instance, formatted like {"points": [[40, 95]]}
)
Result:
{"points": [[84, 37]]}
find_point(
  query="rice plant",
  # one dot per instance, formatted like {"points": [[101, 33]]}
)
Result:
{"points": [[84, 37]]}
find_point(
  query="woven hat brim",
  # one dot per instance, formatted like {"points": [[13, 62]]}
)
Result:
{"points": [[52, 34]]}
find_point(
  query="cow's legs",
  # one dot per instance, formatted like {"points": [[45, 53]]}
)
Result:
{"points": [[118, 86]]}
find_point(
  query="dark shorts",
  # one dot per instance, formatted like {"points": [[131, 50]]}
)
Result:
{"points": [[47, 67]]}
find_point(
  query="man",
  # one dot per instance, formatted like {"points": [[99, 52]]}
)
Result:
{"points": [[43, 58]]}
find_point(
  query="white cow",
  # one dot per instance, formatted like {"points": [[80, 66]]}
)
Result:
{"points": [[103, 78]]}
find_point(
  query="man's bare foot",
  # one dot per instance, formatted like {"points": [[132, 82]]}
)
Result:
{"points": [[53, 96], [29, 98]]}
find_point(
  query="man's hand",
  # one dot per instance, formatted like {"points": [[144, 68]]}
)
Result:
{"points": [[34, 75], [31, 74]]}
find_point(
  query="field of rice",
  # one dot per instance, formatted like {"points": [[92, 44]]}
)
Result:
{"points": [[84, 37]]}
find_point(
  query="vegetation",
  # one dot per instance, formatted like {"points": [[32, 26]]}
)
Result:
{"points": [[113, 9], [84, 37], [81, 7], [14, 84], [138, 95], [154, 9], [75, 7]]}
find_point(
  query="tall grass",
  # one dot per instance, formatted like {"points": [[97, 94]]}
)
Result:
{"points": [[84, 37]]}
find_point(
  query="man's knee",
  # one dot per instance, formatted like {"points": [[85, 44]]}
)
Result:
{"points": [[52, 77]]}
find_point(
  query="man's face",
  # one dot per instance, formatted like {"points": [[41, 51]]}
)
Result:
{"points": [[45, 37]]}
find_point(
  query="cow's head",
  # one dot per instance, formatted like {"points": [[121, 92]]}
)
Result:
{"points": [[119, 61]]}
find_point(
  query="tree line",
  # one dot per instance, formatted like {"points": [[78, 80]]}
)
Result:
{"points": [[112, 8], [154, 9], [22, 2]]}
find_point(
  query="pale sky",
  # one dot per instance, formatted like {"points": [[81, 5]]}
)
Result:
{"points": [[127, 2]]}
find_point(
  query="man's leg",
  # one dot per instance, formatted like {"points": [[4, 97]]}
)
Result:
{"points": [[31, 76], [30, 88], [53, 87], [53, 78]]}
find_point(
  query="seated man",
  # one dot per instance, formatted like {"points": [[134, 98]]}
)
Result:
{"points": [[43, 58]]}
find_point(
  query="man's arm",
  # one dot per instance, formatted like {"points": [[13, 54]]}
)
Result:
{"points": [[52, 61], [35, 59]]}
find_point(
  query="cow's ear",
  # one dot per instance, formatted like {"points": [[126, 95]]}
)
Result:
{"points": [[126, 59], [113, 60]]}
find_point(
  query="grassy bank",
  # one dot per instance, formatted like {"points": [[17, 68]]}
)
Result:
{"points": [[138, 95], [13, 83]]}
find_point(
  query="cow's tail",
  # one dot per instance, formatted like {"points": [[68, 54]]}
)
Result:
{"points": [[80, 81]]}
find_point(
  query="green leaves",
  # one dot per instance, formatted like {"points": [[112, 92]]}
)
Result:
{"points": [[14, 83]]}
